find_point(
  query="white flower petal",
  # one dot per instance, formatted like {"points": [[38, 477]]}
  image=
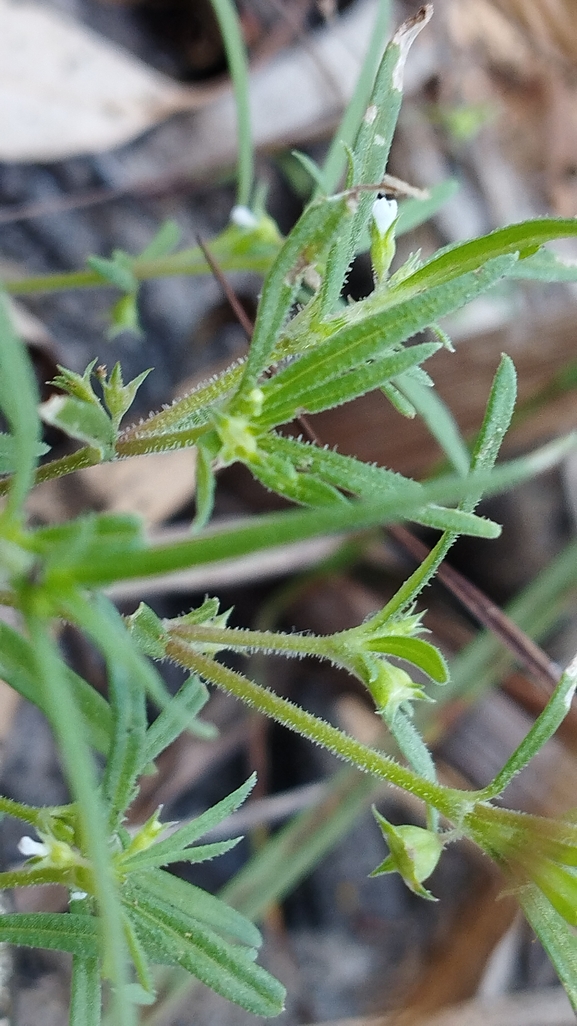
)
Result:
{"points": [[243, 217], [384, 213], [29, 847]]}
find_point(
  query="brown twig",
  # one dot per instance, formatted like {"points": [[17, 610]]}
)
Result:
{"points": [[234, 302], [149, 188]]}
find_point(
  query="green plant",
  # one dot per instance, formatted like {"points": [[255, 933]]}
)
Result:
{"points": [[309, 352]]}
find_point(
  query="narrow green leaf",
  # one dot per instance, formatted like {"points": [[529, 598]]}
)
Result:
{"points": [[115, 272], [497, 416], [342, 388], [236, 55], [281, 528], [124, 316], [278, 475], [165, 240], [457, 521], [128, 707], [161, 853], [84, 421], [128, 681], [8, 453], [543, 728], [204, 907], [179, 714], [67, 725], [18, 668], [413, 748], [370, 153], [414, 650], [546, 266], [366, 339], [230, 971], [306, 241], [368, 481], [312, 170], [99, 618], [18, 401], [90, 537], [335, 159], [398, 401], [85, 992], [556, 936], [205, 488], [495, 423], [140, 962], [58, 931], [155, 859], [524, 238], [439, 420], [345, 472]]}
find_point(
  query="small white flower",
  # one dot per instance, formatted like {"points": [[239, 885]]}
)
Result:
{"points": [[27, 846], [78, 895], [243, 217], [384, 213]]}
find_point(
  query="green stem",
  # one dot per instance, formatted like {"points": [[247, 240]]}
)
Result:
{"points": [[450, 802], [240, 640], [165, 442], [85, 985], [29, 877], [231, 255], [36, 817], [85, 992], [68, 727], [187, 262], [238, 67], [89, 457], [85, 457], [418, 580], [192, 403]]}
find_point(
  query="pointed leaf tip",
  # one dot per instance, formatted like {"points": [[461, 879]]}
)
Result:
{"points": [[404, 38]]}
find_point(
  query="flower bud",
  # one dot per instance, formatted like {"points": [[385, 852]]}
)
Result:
{"points": [[385, 213], [413, 852]]}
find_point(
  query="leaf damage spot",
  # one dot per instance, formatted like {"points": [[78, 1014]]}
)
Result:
{"points": [[404, 38]]}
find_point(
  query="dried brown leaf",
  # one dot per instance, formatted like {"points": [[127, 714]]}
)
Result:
{"points": [[65, 91]]}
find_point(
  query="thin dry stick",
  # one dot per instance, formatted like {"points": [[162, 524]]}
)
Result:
{"points": [[234, 302], [151, 188]]}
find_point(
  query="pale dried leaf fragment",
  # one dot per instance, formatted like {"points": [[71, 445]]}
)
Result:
{"points": [[65, 91], [405, 36], [156, 486]]}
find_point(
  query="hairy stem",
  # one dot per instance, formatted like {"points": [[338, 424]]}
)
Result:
{"points": [[450, 802]]}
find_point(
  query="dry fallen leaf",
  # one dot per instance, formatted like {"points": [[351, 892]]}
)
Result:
{"points": [[65, 91], [156, 486]]}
